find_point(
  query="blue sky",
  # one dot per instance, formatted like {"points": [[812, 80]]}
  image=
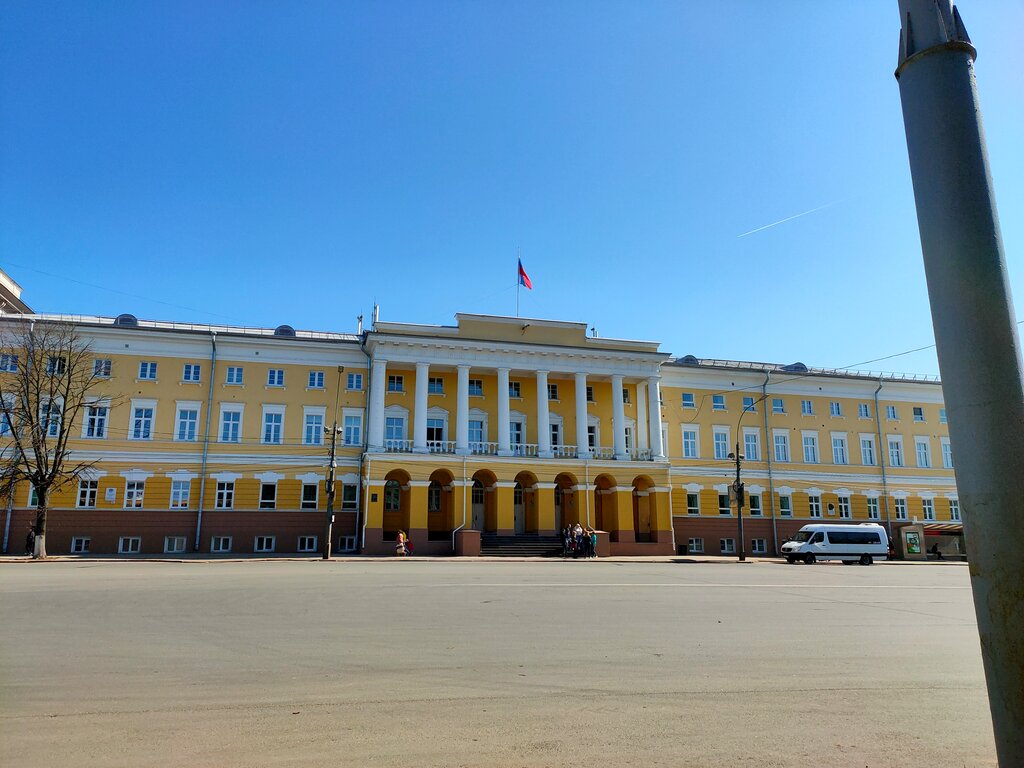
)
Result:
{"points": [[264, 163]]}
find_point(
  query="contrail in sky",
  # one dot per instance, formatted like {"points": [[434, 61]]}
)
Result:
{"points": [[790, 218]]}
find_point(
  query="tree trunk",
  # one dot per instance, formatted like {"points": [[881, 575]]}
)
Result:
{"points": [[40, 548]]}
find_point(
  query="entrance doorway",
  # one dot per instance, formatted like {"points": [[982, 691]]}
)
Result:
{"points": [[519, 510]]}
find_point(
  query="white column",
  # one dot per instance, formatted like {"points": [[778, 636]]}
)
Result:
{"points": [[641, 411], [419, 417], [378, 384], [618, 419], [654, 405], [462, 412], [504, 442], [582, 445], [543, 423]]}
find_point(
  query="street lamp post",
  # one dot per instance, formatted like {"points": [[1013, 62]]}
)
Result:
{"points": [[331, 467], [738, 494]]}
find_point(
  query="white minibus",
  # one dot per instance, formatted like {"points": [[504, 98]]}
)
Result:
{"points": [[853, 543]]}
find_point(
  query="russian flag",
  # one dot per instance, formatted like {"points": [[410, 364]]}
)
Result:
{"points": [[524, 279]]}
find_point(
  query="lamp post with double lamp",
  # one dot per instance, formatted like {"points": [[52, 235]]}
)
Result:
{"points": [[736, 492], [333, 431]]}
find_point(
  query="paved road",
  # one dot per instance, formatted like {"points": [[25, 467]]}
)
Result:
{"points": [[465, 663]]}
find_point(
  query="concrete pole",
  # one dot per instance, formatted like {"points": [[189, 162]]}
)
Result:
{"points": [[975, 334]]}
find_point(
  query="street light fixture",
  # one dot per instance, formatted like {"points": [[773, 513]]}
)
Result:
{"points": [[736, 492]]}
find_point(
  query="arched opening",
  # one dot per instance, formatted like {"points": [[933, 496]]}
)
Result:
{"points": [[643, 507], [524, 503], [440, 506], [484, 502], [606, 508], [396, 503], [567, 510]]}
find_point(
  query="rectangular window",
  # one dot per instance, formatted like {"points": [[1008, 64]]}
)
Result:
{"points": [[235, 375], [942, 415], [174, 544], [134, 493], [901, 509], [80, 545], [839, 450], [263, 544], [590, 394], [394, 429], [313, 429], [515, 429], [142, 424], [349, 497], [354, 429], [923, 451], [147, 370], [918, 413], [315, 380], [591, 436], [785, 506], [180, 492], [556, 435], [629, 439], [690, 443], [514, 389], [188, 423], [688, 401], [718, 402], [87, 491], [476, 431], [225, 496], [895, 452], [947, 454], [863, 411], [476, 387], [693, 503], [724, 507], [9, 363], [781, 446], [50, 416], [758, 546], [268, 495], [435, 385], [307, 544], [814, 505], [310, 495], [101, 368], [625, 396], [844, 507], [230, 426], [751, 446], [754, 504], [727, 546], [835, 408], [220, 544], [190, 372], [811, 449], [396, 383], [867, 451], [806, 407], [275, 377], [778, 406], [890, 413], [695, 546], [273, 422], [748, 404], [56, 366], [873, 513], [552, 391], [928, 509], [721, 444], [435, 430], [129, 545], [96, 421], [954, 510]]}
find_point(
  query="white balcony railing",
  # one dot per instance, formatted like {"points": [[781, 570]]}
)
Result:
{"points": [[563, 451], [440, 446], [483, 449], [524, 449], [642, 455], [398, 446], [603, 452]]}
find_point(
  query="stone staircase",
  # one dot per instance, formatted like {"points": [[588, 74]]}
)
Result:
{"points": [[526, 545]]}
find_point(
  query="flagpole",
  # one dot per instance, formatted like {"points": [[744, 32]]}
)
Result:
{"points": [[519, 283]]}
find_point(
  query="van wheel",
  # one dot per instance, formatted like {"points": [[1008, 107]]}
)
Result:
{"points": [[809, 558], [866, 560], [790, 559]]}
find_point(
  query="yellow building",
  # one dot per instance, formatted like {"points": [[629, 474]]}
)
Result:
{"points": [[493, 433]]}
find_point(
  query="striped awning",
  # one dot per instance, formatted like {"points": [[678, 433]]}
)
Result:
{"points": [[946, 529]]}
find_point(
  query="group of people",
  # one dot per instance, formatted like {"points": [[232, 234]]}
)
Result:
{"points": [[578, 541], [403, 545]]}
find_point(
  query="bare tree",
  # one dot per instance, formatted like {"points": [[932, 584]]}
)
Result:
{"points": [[46, 383]]}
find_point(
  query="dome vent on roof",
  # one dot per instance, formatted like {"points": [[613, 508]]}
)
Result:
{"points": [[690, 360], [795, 368], [284, 330], [127, 321]]}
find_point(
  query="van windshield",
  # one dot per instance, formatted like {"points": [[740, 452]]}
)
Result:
{"points": [[803, 535]]}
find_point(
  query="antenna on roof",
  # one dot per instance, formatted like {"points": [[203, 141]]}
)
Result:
{"points": [[593, 331], [376, 315], [359, 325]]}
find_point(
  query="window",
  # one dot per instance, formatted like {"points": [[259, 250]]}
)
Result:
{"points": [[814, 505], [591, 436], [476, 387], [434, 496], [690, 449], [476, 431], [174, 544], [873, 513], [313, 429], [923, 451], [129, 545], [515, 430], [928, 509], [863, 411], [142, 423], [188, 421], [556, 434], [867, 450], [273, 421], [901, 509], [514, 389], [435, 430], [234, 375], [87, 491], [754, 503], [918, 413], [806, 407], [134, 492], [220, 544], [748, 404], [942, 415], [758, 546], [396, 384], [268, 496], [695, 546], [844, 507], [629, 439], [354, 428], [895, 451], [778, 406], [80, 545], [180, 491], [435, 385], [890, 413], [310, 495], [96, 421], [5, 420], [552, 391], [785, 506], [721, 442], [724, 507], [33, 496], [839, 449], [275, 377], [225, 498], [101, 368], [751, 446], [307, 544], [835, 408], [947, 453], [350, 497], [625, 396], [727, 546], [781, 441], [954, 510], [315, 380], [693, 503], [392, 496], [688, 401], [230, 426], [394, 429], [50, 417], [811, 448], [590, 394], [9, 363], [56, 366], [346, 544], [718, 402], [147, 371], [190, 372]]}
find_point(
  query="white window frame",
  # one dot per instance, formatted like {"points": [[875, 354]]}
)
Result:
{"points": [[863, 411], [80, 545], [954, 510], [313, 503], [900, 504], [354, 382], [395, 383], [921, 442], [785, 505], [313, 433], [274, 411], [842, 455], [894, 443], [142, 405], [891, 413], [694, 508], [147, 370], [754, 505], [874, 510], [191, 372], [784, 445], [186, 406], [751, 438], [695, 545], [230, 408], [758, 546], [275, 377], [224, 494], [688, 400], [264, 543], [835, 408], [917, 413], [234, 376], [271, 503], [129, 545], [306, 543], [868, 457], [778, 405], [174, 545], [134, 494], [88, 492], [928, 510], [355, 416], [749, 404], [220, 544], [93, 420], [435, 385], [693, 430], [101, 367], [315, 379], [947, 452], [814, 505], [812, 456], [718, 403], [720, 441], [806, 407], [727, 546], [181, 492], [844, 507]]}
